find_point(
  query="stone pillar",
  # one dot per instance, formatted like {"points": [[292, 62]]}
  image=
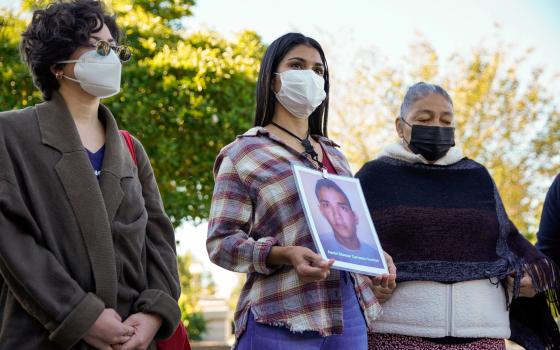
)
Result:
{"points": [[218, 319]]}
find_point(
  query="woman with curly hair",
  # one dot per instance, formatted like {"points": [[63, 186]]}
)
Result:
{"points": [[87, 253]]}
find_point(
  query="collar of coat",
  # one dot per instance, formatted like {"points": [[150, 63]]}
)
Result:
{"points": [[59, 131], [260, 130], [398, 151], [336, 158]]}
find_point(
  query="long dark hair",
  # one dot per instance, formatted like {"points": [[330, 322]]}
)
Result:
{"points": [[269, 65]]}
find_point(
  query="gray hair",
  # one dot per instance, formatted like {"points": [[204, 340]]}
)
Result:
{"points": [[421, 90]]}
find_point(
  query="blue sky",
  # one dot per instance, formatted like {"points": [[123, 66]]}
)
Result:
{"points": [[390, 26]]}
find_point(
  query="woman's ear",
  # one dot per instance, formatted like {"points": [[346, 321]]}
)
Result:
{"points": [[398, 127], [56, 70], [275, 83]]}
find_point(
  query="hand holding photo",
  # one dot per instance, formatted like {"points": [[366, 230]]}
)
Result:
{"points": [[339, 221]]}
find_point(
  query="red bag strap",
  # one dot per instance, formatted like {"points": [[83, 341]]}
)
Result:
{"points": [[178, 341], [129, 143]]}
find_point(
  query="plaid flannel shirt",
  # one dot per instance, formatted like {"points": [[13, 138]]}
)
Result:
{"points": [[255, 206]]}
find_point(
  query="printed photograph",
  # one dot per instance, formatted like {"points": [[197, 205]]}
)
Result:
{"points": [[339, 221]]}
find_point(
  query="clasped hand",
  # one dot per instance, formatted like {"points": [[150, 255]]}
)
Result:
{"points": [[109, 332]]}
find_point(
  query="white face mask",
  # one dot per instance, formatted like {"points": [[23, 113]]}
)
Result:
{"points": [[301, 92], [98, 75]]}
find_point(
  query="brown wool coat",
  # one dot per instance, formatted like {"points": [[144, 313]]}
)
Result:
{"points": [[71, 245]]}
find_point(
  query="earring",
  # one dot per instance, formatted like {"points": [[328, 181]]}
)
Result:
{"points": [[58, 75]]}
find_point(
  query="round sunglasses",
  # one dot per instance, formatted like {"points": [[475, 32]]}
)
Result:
{"points": [[103, 48]]}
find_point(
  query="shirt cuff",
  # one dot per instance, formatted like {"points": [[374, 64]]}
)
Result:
{"points": [[260, 254]]}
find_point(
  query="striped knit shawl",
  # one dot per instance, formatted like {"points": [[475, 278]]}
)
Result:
{"points": [[447, 223]]}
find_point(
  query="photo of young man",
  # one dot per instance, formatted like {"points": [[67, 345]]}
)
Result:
{"points": [[342, 243]]}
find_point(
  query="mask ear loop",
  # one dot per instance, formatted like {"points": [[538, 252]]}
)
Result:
{"points": [[403, 140], [60, 75], [71, 79], [69, 61]]}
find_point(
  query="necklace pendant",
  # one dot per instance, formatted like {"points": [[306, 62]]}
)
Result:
{"points": [[309, 150], [308, 147]]}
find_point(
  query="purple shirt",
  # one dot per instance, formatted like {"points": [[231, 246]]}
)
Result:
{"points": [[96, 160]]}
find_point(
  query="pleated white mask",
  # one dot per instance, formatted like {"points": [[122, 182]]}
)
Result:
{"points": [[302, 91]]}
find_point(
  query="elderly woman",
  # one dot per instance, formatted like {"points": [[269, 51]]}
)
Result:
{"points": [[460, 260], [87, 253]]}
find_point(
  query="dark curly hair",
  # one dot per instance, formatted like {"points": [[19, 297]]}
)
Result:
{"points": [[56, 32]]}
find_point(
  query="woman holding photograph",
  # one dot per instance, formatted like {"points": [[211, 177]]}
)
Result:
{"points": [[291, 299], [460, 259]]}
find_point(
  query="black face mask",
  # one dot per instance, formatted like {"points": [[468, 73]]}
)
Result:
{"points": [[432, 142]]}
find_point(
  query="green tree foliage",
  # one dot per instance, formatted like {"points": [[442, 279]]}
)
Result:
{"points": [[510, 127], [185, 103], [184, 96], [16, 87]]}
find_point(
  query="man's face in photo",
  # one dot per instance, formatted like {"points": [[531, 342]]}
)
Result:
{"points": [[335, 208]]}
